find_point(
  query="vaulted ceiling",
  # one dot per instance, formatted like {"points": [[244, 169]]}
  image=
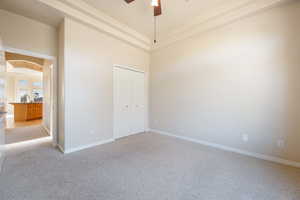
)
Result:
{"points": [[180, 19], [137, 15], [176, 13]]}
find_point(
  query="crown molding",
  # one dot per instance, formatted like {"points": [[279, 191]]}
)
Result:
{"points": [[221, 16], [86, 8], [79, 10]]}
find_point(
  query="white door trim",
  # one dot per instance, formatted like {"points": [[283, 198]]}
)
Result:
{"points": [[54, 77]]}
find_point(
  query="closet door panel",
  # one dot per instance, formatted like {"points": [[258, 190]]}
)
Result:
{"points": [[138, 102], [122, 102]]}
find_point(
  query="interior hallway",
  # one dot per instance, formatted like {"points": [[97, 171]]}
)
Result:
{"points": [[144, 166]]}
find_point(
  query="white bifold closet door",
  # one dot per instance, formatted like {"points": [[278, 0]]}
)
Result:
{"points": [[129, 102]]}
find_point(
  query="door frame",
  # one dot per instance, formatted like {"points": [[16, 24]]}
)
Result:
{"points": [[130, 68], [54, 88], [2, 131]]}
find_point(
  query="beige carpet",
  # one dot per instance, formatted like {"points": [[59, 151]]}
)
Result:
{"points": [[15, 135], [144, 167]]}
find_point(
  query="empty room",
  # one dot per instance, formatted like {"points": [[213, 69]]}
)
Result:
{"points": [[150, 99]]}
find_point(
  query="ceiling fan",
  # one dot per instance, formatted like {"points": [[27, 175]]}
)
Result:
{"points": [[157, 11], [155, 3]]}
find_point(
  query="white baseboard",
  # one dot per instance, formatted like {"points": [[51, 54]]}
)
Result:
{"points": [[46, 129], [60, 148], [84, 146], [235, 150], [1, 160]]}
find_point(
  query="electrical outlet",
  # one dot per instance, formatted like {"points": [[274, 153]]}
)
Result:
{"points": [[245, 137], [92, 132], [280, 143]]}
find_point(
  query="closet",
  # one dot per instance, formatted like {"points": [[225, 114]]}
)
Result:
{"points": [[129, 102]]}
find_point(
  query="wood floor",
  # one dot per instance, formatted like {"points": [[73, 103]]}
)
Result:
{"points": [[10, 123]]}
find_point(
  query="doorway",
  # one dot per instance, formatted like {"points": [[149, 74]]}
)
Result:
{"points": [[30, 97], [129, 101]]}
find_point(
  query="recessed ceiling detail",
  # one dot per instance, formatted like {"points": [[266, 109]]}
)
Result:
{"points": [[175, 13], [16, 57], [181, 18], [25, 64], [22, 61], [132, 22]]}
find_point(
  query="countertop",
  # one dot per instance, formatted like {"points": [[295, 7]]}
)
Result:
{"points": [[25, 103]]}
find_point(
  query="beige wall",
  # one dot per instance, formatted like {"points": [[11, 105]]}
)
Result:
{"points": [[239, 79], [89, 56], [23, 33]]}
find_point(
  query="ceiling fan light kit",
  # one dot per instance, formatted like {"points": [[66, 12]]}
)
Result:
{"points": [[154, 3], [157, 11]]}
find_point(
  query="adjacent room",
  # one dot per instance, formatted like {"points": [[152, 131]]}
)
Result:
{"points": [[149, 99], [27, 83]]}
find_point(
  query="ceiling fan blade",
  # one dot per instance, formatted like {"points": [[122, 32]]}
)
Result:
{"points": [[129, 1], [157, 9]]}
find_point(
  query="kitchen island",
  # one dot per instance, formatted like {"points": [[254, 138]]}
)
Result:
{"points": [[27, 111]]}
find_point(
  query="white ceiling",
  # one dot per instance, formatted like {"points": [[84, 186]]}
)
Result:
{"points": [[33, 9], [179, 20], [176, 13]]}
